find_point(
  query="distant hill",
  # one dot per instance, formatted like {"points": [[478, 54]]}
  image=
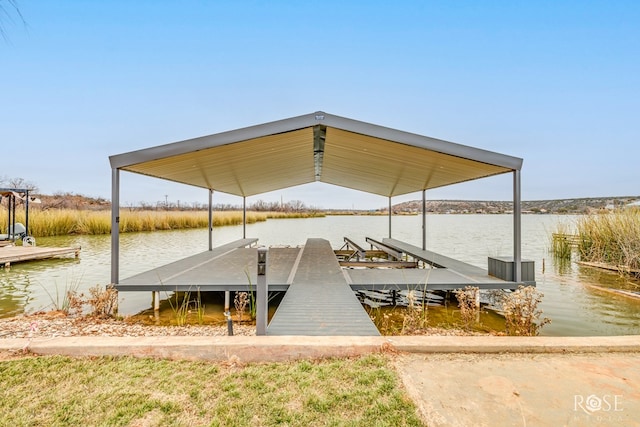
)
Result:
{"points": [[557, 206], [73, 201]]}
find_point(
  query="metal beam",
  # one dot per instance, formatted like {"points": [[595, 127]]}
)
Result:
{"points": [[424, 220], [26, 214], [244, 217], [389, 216], [517, 228], [319, 137], [115, 224], [210, 219]]}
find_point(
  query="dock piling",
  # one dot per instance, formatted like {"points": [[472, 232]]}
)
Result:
{"points": [[155, 296], [227, 312]]}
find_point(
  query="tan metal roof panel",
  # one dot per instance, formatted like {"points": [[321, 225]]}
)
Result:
{"points": [[316, 147]]}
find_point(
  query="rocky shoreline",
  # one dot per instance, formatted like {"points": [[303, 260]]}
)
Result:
{"points": [[58, 324], [51, 325]]}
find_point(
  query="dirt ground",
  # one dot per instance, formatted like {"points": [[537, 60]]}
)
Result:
{"points": [[596, 389]]}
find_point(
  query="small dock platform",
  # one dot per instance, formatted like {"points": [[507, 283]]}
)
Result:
{"points": [[13, 254], [319, 300]]}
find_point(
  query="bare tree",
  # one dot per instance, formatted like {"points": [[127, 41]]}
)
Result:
{"points": [[296, 206], [19, 183]]}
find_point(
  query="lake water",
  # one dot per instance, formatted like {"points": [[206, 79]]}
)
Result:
{"points": [[573, 296]]}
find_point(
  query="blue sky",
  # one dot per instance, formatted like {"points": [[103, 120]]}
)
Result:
{"points": [[554, 82]]}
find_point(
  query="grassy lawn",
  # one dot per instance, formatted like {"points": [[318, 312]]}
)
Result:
{"points": [[59, 391]]}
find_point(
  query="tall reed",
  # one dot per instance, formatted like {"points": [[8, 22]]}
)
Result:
{"points": [[562, 242], [59, 222], [612, 238]]}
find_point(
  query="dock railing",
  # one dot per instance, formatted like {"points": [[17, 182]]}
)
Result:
{"points": [[386, 248], [356, 248]]}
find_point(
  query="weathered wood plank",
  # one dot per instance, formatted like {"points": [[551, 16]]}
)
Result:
{"points": [[12, 254]]}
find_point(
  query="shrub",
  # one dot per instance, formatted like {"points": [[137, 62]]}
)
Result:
{"points": [[468, 302], [103, 301], [521, 311]]}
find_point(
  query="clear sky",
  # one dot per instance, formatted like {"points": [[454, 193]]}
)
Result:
{"points": [[554, 82]]}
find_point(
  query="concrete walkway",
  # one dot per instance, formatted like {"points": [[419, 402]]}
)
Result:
{"points": [[583, 389], [455, 381], [249, 349]]}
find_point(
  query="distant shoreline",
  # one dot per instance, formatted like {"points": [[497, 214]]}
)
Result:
{"points": [[553, 206]]}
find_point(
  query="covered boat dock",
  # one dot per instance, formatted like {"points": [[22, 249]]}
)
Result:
{"points": [[319, 297]]}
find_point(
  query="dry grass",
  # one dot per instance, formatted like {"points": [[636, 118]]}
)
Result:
{"points": [[521, 312], [44, 391], [60, 222], [469, 304], [611, 238], [416, 316]]}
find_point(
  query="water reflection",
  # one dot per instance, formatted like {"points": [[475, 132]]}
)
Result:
{"points": [[14, 294]]}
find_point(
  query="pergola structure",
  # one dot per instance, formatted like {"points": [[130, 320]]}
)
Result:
{"points": [[316, 147], [13, 195]]}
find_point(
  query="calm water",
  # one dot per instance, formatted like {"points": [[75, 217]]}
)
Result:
{"points": [[575, 306]]}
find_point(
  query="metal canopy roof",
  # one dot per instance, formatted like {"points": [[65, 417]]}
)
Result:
{"points": [[316, 147]]}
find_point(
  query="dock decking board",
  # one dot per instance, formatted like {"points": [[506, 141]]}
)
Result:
{"points": [[11, 254], [438, 260], [440, 279], [222, 272], [220, 269], [319, 300]]}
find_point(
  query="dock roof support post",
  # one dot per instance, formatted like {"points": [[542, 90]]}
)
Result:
{"points": [[115, 226], [244, 217], [389, 216], [517, 228], [424, 220], [26, 214], [210, 219], [12, 223]]}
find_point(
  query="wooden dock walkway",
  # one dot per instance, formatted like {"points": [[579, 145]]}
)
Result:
{"points": [[12, 254], [319, 300]]}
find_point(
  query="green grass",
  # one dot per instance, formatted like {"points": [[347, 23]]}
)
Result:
{"points": [[55, 390]]}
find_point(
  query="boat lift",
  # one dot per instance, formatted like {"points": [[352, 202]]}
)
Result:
{"points": [[17, 230]]}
